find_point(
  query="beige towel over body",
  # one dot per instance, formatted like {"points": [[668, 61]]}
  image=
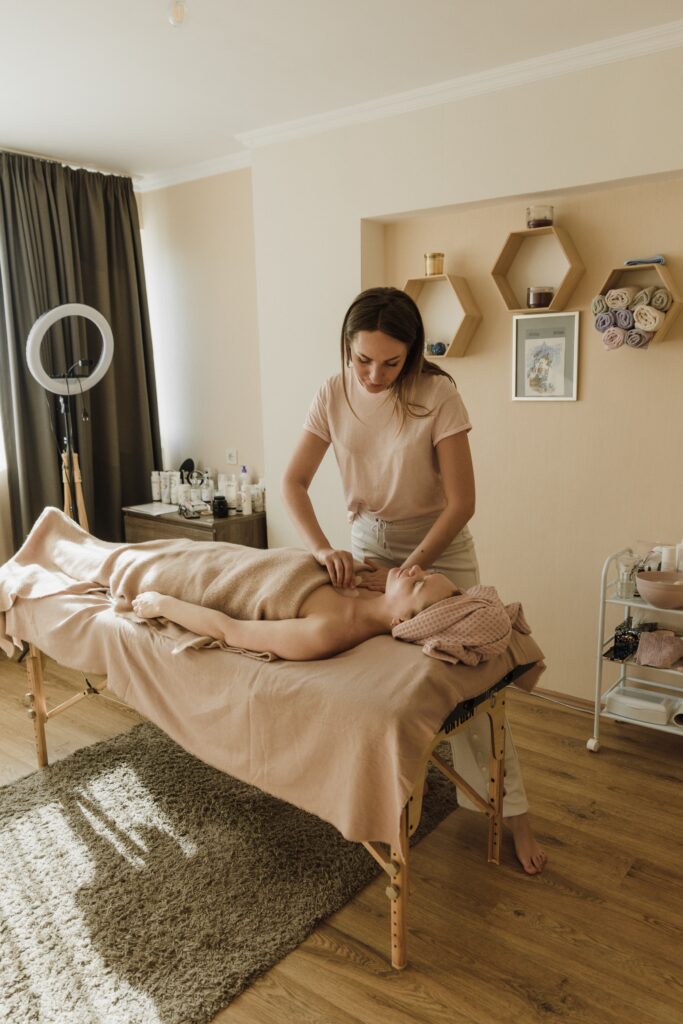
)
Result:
{"points": [[245, 583]]}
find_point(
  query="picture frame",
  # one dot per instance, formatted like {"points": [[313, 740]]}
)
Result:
{"points": [[545, 357]]}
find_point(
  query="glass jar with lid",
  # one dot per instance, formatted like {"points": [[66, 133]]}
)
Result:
{"points": [[539, 296]]}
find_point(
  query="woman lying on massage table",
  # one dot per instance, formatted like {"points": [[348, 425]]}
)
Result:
{"points": [[328, 621]]}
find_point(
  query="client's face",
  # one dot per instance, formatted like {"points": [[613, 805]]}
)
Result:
{"points": [[412, 590]]}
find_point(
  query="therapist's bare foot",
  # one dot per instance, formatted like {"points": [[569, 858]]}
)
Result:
{"points": [[530, 853]]}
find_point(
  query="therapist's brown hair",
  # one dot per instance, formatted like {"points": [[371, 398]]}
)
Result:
{"points": [[393, 312]]}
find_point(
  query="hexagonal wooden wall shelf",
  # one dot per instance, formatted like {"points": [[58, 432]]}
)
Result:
{"points": [[509, 253], [446, 304], [643, 275]]}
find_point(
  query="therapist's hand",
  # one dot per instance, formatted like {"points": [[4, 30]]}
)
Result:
{"points": [[375, 578], [339, 565]]}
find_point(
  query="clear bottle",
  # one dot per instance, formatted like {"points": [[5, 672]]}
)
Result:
{"points": [[207, 488], [244, 476]]}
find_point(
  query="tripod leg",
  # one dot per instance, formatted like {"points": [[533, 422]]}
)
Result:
{"points": [[68, 508], [80, 503]]}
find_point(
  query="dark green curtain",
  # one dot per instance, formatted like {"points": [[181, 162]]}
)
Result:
{"points": [[73, 236]]}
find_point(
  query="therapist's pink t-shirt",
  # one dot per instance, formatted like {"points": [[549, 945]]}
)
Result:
{"points": [[389, 472]]}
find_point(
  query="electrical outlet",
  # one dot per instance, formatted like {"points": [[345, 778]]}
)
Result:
{"points": [[231, 456]]}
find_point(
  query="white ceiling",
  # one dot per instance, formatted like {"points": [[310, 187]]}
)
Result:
{"points": [[112, 85]]}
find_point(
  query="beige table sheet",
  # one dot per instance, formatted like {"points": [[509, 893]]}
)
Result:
{"points": [[342, 738]]}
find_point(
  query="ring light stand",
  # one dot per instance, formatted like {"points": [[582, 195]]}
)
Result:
{"points": [[61, 386]]}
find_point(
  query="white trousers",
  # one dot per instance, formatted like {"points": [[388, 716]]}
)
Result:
{"points": [[390, 544]]}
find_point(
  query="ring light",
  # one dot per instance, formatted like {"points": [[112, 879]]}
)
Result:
{"points": [[40, 329]]}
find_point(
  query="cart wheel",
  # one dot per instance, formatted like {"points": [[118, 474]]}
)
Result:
{"points": [[593, 744]]}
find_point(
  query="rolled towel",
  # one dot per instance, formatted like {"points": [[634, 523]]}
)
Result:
{"points": [[642, 298], [614, 337], [638, 339], [624, 318], [598, 305], [620, 298], [661, 299], [645, 318], [605, 320]]}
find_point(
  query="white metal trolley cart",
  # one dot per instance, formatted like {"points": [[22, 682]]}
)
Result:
{"points": [[628, 670]]}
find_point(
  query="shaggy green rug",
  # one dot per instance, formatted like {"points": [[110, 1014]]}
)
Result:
{"points": [[140, 886]]}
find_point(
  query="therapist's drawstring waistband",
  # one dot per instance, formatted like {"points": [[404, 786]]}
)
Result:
{"points": [[379, 526], [379, 529]]}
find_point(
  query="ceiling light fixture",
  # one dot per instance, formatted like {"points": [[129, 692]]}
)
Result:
{"points": [[176, 12]]}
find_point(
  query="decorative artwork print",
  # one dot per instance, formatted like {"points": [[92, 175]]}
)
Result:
{"points": [[545, 357]]}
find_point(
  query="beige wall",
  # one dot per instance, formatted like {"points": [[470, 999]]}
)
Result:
{"points": [[560, 486], [198, 244]]}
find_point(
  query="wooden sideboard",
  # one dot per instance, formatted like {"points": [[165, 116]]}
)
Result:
{"points": [[239, 529]]}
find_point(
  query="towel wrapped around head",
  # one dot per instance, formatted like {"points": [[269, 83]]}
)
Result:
{"points": [[661, 299], [624, 318], [598, 305], [605, 320], [614, 337], [642, 298], [645, 318], [470, 627], [620, 298], [638, 339]]}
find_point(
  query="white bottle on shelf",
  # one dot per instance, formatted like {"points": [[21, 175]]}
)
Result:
{"points": [[679, 556], [207, 488], [231, 494], [669, 558], [246, 500]]}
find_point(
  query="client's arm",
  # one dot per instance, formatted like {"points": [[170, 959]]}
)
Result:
{"points": [[293, 639]]}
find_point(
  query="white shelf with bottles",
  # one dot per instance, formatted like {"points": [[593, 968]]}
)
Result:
{"points": [[630, 672]]}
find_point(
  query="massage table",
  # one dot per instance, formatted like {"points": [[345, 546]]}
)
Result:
{"points": [[347, 738], [204, 698]]}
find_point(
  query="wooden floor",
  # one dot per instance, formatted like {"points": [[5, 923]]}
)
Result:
{"points": [[597, 938]]}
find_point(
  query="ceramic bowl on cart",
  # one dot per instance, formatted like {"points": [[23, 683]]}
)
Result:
{"points": [[661, 589]]}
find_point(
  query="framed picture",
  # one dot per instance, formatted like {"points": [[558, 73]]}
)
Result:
{"points": [[545, 355]]}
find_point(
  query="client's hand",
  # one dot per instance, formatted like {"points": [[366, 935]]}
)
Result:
{"points": [[148, 605], [375, 578], [339, 565]]}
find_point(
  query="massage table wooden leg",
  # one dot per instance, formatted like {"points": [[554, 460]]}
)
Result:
{"points": [[35, 698], [397, 892], [496, 717], [37, 702]]}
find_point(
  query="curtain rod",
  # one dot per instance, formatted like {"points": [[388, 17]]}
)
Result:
{"points": [[65, 163]]}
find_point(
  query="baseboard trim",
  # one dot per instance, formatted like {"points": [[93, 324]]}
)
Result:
{"points": [[580, 703]]}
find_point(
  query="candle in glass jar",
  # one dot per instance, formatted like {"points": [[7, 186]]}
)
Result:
{"points": [[539, 296], [433, 263], [539, 216]]}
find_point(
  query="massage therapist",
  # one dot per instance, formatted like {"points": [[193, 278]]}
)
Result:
{"points": [[399, 427]]}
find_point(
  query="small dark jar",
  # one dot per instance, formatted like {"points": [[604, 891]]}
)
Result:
{"points": [[539, 296]]}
